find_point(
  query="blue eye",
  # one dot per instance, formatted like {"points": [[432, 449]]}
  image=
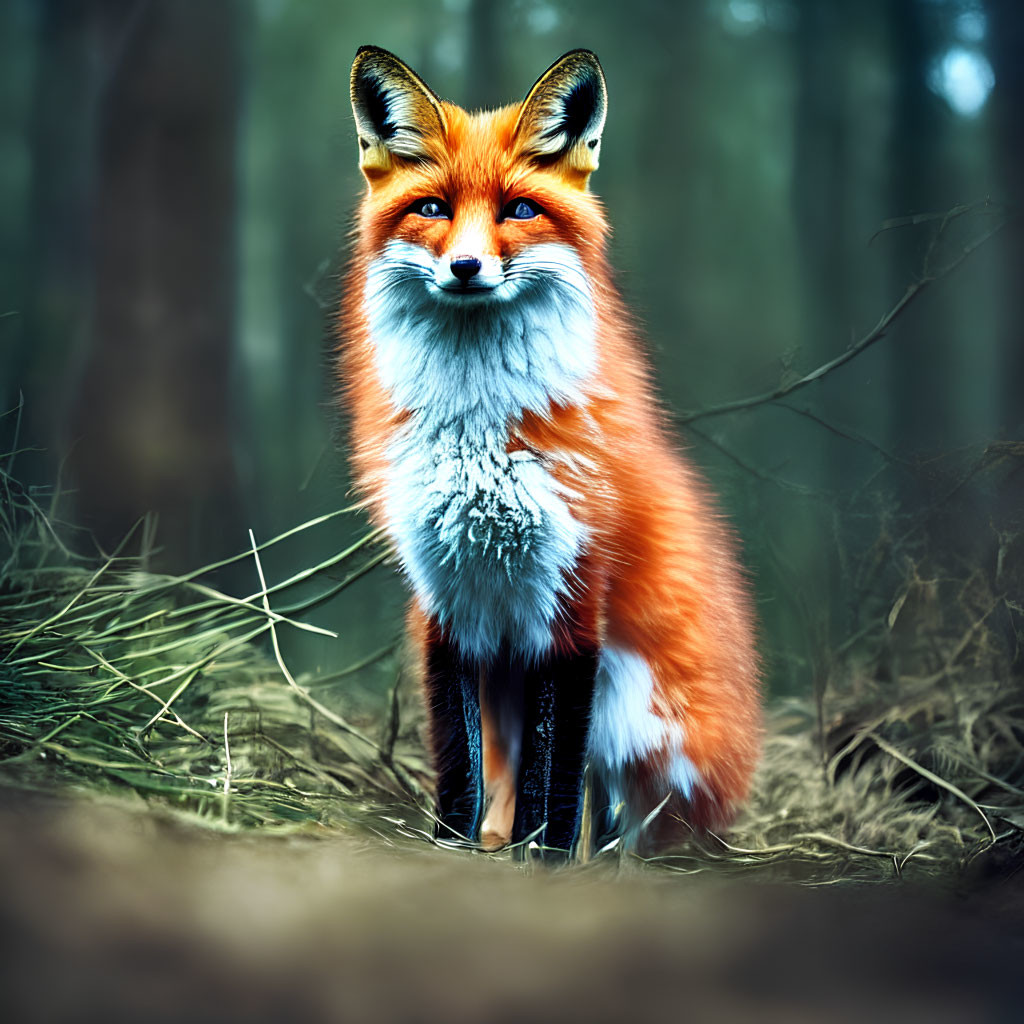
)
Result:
{"points": [[432, 208], [520, 209]]}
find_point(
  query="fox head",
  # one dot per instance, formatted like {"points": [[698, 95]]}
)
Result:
{"points": [[473, 191], [480, 246]]}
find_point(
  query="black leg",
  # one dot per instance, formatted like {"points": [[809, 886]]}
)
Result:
{"points": [[557, 697], [453, 702]]}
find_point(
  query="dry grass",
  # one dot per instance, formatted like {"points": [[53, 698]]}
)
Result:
{"points": [[116, 678], [919, 789], [112, 678]]}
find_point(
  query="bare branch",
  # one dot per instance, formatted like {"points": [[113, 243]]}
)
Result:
{"points": [[786, 485], [874, 335], [944, 217]]}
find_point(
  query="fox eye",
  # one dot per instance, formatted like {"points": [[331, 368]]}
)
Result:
{"points": [[432, 208], [520, 209]]}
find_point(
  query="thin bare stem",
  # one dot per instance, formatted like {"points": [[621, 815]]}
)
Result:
{"points": [[873, 336]]}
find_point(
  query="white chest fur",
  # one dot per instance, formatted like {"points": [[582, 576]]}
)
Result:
{"points": [[486, 537]]}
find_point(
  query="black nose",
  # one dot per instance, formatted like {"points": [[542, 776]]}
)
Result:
{"points": [[465, 267]]}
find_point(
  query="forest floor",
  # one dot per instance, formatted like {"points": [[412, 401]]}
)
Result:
{"points": [[127, 897], [111, 911], [190, 831]]}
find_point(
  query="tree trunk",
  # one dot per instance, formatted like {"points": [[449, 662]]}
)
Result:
{"points": [[485, 69], [153, 415], [1007, 50], [919, 385], [58, 245]]}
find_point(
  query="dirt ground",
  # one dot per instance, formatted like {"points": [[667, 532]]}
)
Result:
{"points": [[112, 912]]}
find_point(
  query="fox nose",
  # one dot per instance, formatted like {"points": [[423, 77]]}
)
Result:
{"points": [[465, 267]]}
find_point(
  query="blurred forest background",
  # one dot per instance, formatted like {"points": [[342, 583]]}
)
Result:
{"points": [[176, 181]]}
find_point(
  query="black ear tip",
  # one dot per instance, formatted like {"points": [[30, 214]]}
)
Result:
{"points": [[583, 54], [583, 59], [373, 57], [368, 50], [363, 54]]}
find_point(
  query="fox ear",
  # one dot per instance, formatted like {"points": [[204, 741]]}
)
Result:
{"points": [[396, 112], [563, 114]]}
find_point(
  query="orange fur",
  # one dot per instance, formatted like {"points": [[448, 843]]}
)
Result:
{"points": [[659, 575]]}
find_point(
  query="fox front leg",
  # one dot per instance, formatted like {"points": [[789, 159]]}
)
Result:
{"points": [[453, 704], [557, 698]]}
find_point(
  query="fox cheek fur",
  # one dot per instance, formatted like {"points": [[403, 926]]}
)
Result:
{"points": [[576, 598]]}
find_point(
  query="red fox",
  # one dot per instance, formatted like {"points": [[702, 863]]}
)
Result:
{"points": [[577, 602]]}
